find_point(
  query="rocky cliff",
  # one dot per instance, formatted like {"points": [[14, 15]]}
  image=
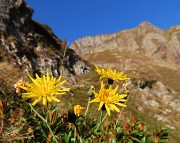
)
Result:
{"points": [[162, 46], [32, 46]]}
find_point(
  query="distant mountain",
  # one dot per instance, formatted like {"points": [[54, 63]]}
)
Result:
{"points": [[162, 46], [32, 46]]}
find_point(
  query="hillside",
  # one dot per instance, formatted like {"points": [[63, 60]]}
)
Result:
{"points": [[151, 57], [162, 46]]}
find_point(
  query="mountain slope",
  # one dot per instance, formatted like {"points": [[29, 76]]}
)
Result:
{"points": [[151, 57], [161, 46]]}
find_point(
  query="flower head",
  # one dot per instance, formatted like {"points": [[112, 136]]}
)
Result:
{"points": [[18, 85], [111, 74], [44, 88], [78, 110], [109, 98]]}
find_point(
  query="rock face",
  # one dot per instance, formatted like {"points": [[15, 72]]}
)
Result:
{"points": [[163, 47], [32, 46], [15, 18]]}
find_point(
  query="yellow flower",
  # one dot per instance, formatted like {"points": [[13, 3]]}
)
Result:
{"points": [[44, 88], [111, 74], [109, 98], [78, 110], [18, 85]]}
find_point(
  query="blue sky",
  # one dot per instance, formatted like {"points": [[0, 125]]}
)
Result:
{"points": [[73, 19]]}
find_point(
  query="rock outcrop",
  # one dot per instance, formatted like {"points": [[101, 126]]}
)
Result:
{"points": [[32, 46], [162, 46], [15, 18]]}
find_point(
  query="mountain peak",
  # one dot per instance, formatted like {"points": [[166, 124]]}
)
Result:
{"points": [[157, 44], [146, 23], [147, 26]]}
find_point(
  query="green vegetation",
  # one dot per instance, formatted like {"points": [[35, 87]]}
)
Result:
{"points": [[22, 122]]}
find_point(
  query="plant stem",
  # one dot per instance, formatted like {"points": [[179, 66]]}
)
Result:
{"points": [[44, 121], [87, 108], [77, 129], [100, 123], [101, 116], [79, 134], [75, 132]]}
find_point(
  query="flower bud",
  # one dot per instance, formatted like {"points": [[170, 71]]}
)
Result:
{"points": [[90, 92], [78, 110]]}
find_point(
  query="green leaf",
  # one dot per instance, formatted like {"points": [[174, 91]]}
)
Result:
{"points": [[56, 124], [73, 140], [155, 129], [143, 140], [119, 130], [135, 139], [140, 134], [134, 132], [44, 132], [67, 137], [54, 108]]}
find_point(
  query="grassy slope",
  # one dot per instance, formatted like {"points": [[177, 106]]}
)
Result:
{"points": [[79, 90], [143, 70]]}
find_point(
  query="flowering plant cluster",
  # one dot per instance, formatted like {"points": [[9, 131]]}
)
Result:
{"points": [[108, 97], [40, 121]]}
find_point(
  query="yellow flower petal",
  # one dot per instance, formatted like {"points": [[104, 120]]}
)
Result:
{"points": [[28, 95], [64, 90], [108, 109], [112, 106], [100, 105], [94, 100], [55, 99], [44, 101], [36, 101], [123, 95], [49, 99]]}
